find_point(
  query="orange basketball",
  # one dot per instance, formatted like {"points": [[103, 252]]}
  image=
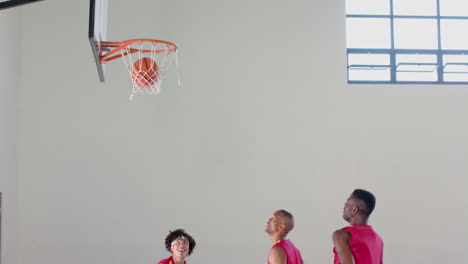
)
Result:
{"points": [[145, 72]]}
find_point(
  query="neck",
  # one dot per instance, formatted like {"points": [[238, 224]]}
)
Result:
{"points": [[276, 238], [178, 259], [358, 221]]}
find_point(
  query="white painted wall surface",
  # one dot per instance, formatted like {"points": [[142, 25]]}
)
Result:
{"points": [[263, 120], [10, 74]]}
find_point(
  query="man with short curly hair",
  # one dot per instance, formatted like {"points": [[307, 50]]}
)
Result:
{"points": [[180, 244]]}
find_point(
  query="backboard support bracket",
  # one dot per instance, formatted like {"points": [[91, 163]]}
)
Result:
{"points": [[97, 32]]}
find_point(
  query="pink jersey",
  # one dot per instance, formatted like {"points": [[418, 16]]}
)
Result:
{"points": [[168, 261], [365, 244], [293, 256]]}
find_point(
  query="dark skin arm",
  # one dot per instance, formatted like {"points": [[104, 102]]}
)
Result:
{"points": [[341, 242], [277, 256]]}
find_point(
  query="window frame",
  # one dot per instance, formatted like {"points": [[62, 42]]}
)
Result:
{"points": [[392, 52]]}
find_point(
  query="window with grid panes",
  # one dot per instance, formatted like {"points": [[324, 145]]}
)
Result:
{"points": [[407, 41]]}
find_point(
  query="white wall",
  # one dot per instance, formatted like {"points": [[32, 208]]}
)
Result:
{"points": [[263, 120], [9, 85]]}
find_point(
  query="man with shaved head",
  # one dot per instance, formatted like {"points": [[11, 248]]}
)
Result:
{"points": [[358, 243], [283, 251]]}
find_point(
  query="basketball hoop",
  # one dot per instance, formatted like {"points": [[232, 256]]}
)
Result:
{"points": [[146, 60]]}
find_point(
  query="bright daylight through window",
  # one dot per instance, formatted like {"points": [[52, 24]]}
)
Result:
{"points": [[407, 41]]}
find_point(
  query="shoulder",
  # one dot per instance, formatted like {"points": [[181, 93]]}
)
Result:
{"points": [[165, 261], [277, 249], [277, 255], [341, 235]]}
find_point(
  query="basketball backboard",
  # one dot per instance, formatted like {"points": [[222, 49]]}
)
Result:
{"points": [[97, 31], [146, 60], [13, 3]]}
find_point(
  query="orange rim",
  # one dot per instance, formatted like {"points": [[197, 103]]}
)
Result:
{"points": [[118, 46]]}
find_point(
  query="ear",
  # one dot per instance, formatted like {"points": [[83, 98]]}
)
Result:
{"points": [[171, 250], [355, 210], [282, 227]]}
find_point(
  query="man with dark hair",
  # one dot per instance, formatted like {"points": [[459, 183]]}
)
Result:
{"points": [[283, 251], [180, 244], [358, 243]]}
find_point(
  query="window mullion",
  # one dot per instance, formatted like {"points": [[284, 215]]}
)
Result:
{"points": [[440, 69], [392, 46]]}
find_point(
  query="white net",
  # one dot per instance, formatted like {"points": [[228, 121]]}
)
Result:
{"points": [[147, 62]]}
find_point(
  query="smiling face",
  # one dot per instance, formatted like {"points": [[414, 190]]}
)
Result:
{"points": [[180, 247]]}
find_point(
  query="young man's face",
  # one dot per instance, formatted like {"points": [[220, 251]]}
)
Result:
{"points": [[348, 208], [180, 247]]}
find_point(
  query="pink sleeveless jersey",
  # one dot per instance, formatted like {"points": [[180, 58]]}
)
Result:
{"points": [[168, 261], [365, 244], [293, 256]]}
